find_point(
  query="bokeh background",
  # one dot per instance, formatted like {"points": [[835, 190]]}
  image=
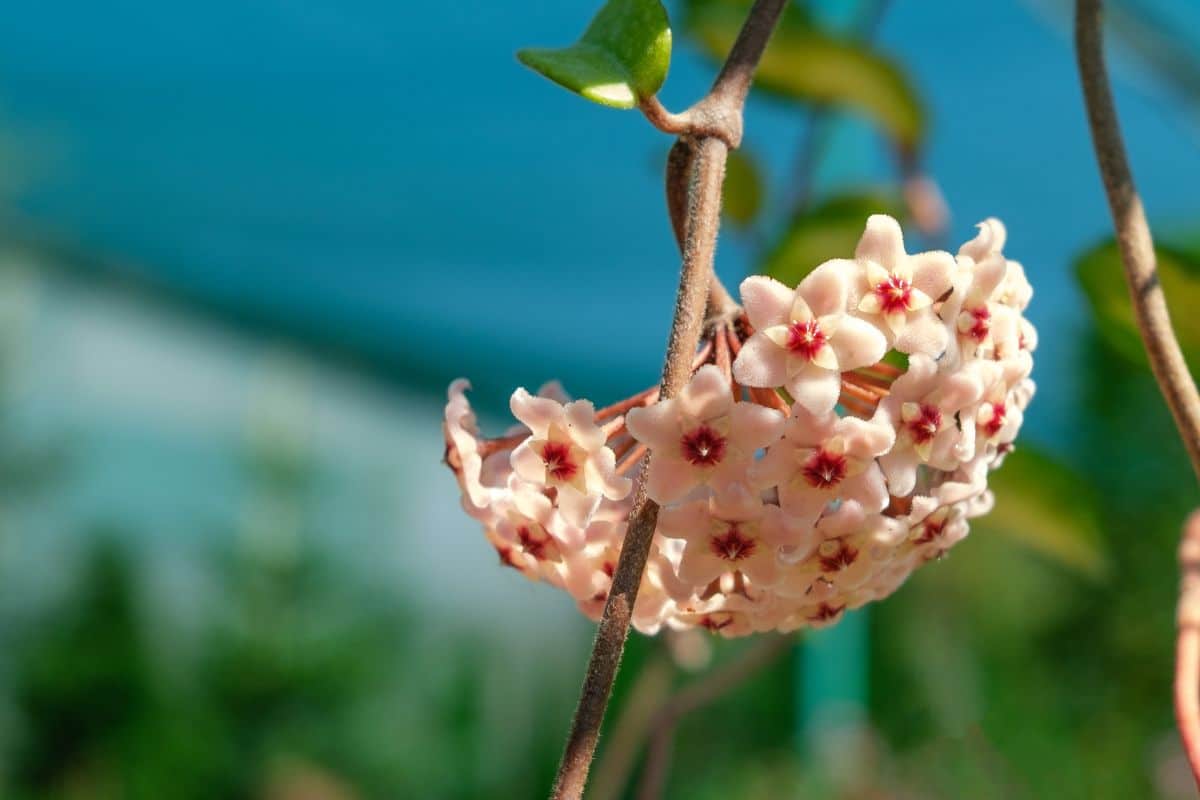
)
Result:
{"points": [[245, 246]]}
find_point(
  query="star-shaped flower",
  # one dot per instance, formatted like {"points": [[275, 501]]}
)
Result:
{"points": [[899, 290], [702, 437], [921, 407], [732, 531], [804, 339], [822, 458], [566, 452]]}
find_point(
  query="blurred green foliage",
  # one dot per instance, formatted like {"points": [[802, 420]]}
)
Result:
{"points": [[1103, 281], [806, 63]]}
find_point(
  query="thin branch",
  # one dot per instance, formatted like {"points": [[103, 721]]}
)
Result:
{"points": [[696, 695], [1187, 645], [1166, 358], [724, 103], [1133, 233], [705, 197], [729, 90], [662, 119]]}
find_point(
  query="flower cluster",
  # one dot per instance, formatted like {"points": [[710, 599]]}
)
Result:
{"points": [[833, 437]]}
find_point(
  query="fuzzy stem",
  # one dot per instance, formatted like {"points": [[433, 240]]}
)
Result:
{"points": [[723, 105], [1133, 233], [618, 610], [1166, 358]]}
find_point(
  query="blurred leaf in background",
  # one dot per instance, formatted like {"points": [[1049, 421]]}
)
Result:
{"points": [[1103, 280], [831, 229], [823, 70]]}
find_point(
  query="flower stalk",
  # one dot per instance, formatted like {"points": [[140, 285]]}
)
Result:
{"points": [[716, 125], [1162, 348]]}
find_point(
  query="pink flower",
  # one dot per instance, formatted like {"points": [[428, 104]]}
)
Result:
{"points": [[899, 290], [732, 531], [566, 452], [520, 532], [463, 452], [922, 407], [822, 458], [702, 437], [830, 517], [804, 338], [999, 416], [972, 305]]}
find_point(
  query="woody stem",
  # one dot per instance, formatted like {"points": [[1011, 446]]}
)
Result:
{"points": [[717, 127]]}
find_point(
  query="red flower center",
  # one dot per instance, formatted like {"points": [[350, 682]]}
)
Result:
{"points": [[826, 612], [895, 294], [559, 464], [732, 545], [712, 623], [805, 339], [508, 557], [930, 529], [993, 425], [925, 425], [981, 323], [838, 559], [537, 546], [703, 447], [824, 470]]}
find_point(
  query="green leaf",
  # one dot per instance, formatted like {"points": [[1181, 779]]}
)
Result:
{"points": [[621, 59], [830, 230], [743, 189], [805, 63], [1048, 507], [1103, 280]]}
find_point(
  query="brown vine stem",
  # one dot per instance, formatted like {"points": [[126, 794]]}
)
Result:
{"points": [[1166, 358], [720, 110], [1133, 233], [697, 695]]}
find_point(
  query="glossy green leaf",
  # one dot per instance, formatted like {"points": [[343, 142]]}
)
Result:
{"points": [[621, 59], [805, 63], [1103, 280], [831, 230], [1048, 507], [743, 192]]}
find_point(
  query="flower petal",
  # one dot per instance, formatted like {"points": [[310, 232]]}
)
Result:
{"points": [[528, 464], [826, 288], [923, 333], [669, 479], [767, 301], [707, 395], [761, 363], [537, 413], [816, 389], [656, 426], [754, 427], [580, 418], [881, 242], [857, 343], [932, 272]]}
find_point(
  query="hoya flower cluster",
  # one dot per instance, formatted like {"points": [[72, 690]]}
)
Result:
{"points": [[834, 437]]}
